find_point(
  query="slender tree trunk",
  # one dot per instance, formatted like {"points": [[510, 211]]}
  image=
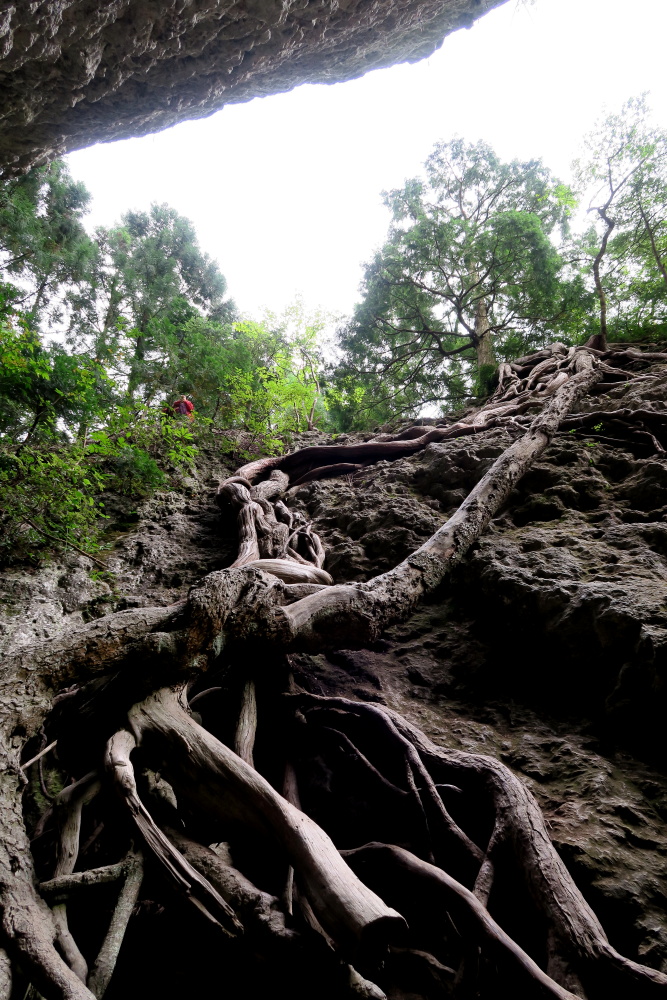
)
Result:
{"points": [[139, 354], [483, 338], [217, 407], [31, 431], [601, 342], [38, 300], [311, 415], [654, 247]]}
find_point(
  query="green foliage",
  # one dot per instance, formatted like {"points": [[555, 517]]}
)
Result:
{"points": [[622, 256], [43, 242], [66, 437], [48, 497], [42, 389], [480, 265], [135, 472], [151, 282], [468, 271], [99, 335], [145, 320], [273, 384], [487, 379], [138, 445]]}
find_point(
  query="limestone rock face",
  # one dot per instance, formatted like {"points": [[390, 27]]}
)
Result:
{"points": [[75, 72]]}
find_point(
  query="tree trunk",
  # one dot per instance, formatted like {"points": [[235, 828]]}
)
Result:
{"points": [[601, 340], [483, 336], [654, 246]]}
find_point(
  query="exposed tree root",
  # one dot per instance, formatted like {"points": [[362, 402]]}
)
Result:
{"points": [[313, 621], [518, 830], [68, 808], [102, 971], [378, 864], [466, 824], [214, 777], [186, 878]]}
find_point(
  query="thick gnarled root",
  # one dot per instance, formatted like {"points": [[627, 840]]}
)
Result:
{"points": [[214, 778]]}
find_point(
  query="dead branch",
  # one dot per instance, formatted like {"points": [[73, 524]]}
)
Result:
{"points": [[64, 884], [42, 753]]}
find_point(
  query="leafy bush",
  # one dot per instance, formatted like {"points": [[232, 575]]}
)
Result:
{"points": [[134, 472], [48, 497], [487, 379]]}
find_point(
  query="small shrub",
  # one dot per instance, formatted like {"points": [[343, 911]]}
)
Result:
{"points": [[134, 472]]}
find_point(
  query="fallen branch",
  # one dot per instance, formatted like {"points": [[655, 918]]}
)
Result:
{"points": [[42, 753], [64, 884]]}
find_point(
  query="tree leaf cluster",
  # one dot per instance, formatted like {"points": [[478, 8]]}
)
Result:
{"points": [[487, 260], [98, 336]]}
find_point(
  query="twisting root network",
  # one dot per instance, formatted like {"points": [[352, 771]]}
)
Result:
{"points": [[447, 837]]}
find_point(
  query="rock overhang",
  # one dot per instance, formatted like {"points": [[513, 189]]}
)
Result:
{"points": [[76, 72]]}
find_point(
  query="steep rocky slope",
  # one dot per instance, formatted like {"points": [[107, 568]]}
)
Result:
{"points": [[75, 72], [545, 649]]}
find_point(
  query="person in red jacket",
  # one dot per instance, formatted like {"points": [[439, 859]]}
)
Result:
{"points": [[184, 407]]}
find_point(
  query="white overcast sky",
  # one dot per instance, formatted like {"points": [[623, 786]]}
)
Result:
{"points": [[285, 191]]}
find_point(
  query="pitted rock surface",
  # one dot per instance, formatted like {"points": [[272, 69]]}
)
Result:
{"points": [[575, 566], [36, 604], [75, 72], [159, 550], [370, 522]]}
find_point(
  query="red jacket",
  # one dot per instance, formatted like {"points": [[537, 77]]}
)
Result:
{"points": [[183, 406]]}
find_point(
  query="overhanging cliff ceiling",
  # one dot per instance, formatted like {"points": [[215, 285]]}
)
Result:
{"points": [[75, 72]]}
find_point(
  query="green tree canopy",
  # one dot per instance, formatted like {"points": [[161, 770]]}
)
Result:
{"points": [[468, 270], [622, 179], [151, 278], [44, 247]]}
